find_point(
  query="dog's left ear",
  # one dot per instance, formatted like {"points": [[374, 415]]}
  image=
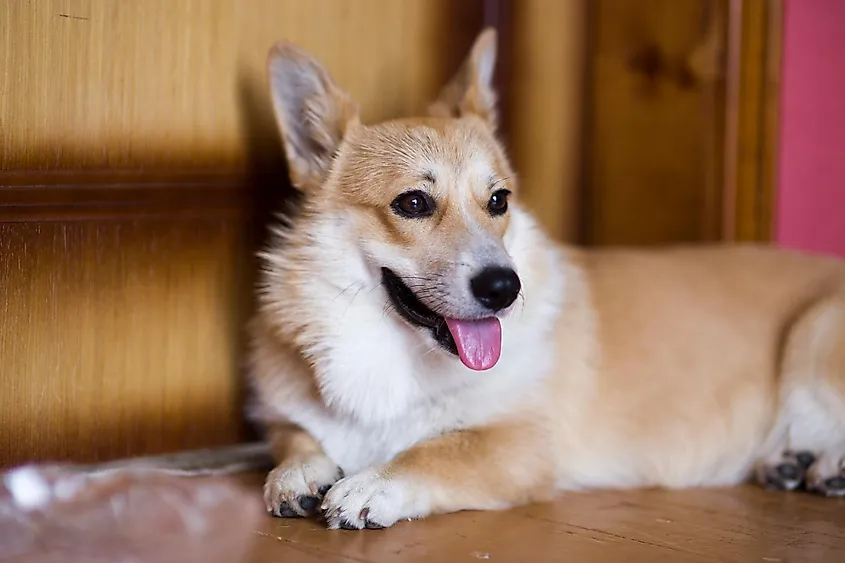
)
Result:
{"points": [[313, 113], [470, 92]]}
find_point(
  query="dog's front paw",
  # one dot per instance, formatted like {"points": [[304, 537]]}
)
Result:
{"points": [[296, 489], [373, 500]]}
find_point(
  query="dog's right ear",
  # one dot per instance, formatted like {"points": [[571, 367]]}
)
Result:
{"points": [[312, 112], [471, 92]]}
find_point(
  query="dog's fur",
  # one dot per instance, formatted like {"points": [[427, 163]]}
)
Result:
{"points": [[680, 367]]}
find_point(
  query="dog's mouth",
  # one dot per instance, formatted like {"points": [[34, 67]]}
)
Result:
{"points": [[477, 342]]}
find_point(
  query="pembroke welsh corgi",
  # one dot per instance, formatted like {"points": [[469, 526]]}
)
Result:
{"points": [[421, 346]]}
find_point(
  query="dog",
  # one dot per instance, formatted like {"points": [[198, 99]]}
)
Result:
{"points": [[421, 347]]}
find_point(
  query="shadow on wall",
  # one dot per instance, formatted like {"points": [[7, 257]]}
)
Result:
{"points": [[272, 193]]}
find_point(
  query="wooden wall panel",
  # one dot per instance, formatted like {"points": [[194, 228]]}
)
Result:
{"points": [[180, 83], [543, 63], [120, 336], [654, 121]]}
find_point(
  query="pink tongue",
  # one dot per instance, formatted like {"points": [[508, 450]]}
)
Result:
{"points": [[479, 342]]}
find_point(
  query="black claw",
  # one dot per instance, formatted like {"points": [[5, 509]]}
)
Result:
{"points": [[805, 459], [775, 483], [308, 503], [326, 516], [835, 485], [369, 524], [323, 490], [346, 525], [832, 487]]}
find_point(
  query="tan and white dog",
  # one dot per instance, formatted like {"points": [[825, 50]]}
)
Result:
{"points": [[422, 347]]}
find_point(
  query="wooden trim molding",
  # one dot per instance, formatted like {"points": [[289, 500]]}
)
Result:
{"points": [[27, 196], [754, 45]]}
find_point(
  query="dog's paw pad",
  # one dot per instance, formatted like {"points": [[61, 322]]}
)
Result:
{"points": [[362, 522], [284, 511], [826, 477], [830, 487], [297, 489], [784, 477], [788, 473], [309, 504]]}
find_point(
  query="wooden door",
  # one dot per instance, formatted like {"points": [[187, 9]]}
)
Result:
{"points": [[680, 121]]}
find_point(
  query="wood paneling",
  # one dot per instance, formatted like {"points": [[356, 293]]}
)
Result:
{"points": [[543, 56], [752, 111], [139, 161], [180, 83], [76, 196], [682, 124], [653, 125], [119, 336]]}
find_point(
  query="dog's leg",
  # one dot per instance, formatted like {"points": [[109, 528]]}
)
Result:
{"points": [[483, 469], [812, 413], [303, 475]]}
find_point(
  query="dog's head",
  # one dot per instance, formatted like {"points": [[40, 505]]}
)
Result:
{"points": [[428, 198]]}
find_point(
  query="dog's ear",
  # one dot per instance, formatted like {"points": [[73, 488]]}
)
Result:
{"points": [[471, 89], [312, 112]]}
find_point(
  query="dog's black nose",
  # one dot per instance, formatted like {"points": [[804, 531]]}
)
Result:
{"points": [[496, 288]]}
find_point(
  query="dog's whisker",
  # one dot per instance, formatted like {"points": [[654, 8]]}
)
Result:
{"points": [[430, 350], [521, 297], [347, 288], [360, 289]]}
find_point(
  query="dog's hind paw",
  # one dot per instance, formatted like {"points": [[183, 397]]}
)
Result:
{"points": [[826, 476], [786, 473]]}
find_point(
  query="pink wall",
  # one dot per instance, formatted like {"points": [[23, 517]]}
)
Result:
{"points": [[811, 209]]}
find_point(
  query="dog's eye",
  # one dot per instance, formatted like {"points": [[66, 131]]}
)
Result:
{"points": [[498, 203], [414, 204]]}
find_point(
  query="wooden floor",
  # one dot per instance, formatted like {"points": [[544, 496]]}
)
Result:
{"points": [[742, 524]]}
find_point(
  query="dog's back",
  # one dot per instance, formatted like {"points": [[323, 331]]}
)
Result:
{"points": [[686, 367]]}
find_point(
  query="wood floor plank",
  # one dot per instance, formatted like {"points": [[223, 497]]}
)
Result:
{"points": [[727, 525]]}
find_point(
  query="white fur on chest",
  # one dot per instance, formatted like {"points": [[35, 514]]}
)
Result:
{"points": [[428, 402], [382, 387]]}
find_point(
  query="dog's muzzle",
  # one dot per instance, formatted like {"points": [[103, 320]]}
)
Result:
{"points": [[415, 312]]}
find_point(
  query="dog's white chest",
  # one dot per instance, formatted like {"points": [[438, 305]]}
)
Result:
{"points": [[354, 446]]}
